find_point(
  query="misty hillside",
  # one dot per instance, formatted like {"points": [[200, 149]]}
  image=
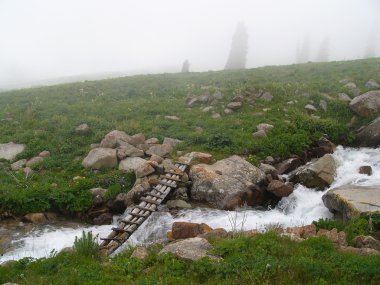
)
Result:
{"points": [[45, 118]]}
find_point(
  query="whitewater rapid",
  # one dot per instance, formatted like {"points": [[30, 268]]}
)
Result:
{"points": [[301, 208]]}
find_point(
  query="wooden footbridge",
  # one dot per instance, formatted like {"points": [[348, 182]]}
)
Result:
{"points": [[140, 213]]}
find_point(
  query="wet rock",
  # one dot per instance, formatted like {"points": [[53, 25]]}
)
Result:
{"points": [[103, 219], [181, 194], [35, 218], [269, 169], [114, 138], [227, 184], [370, 135], [372, 85], [9, 151], [366, 169], [172, 142], [178, 204], [366, 104], [182, 230], [352, 200], [100, 158], [189, 249], [140, 252], [304, 231], [34, 161], [335, 236], [288, 165], [18, 164], [214, 233], [366, 242], [82, 129], [162, 150], [280, 189], [316, 174], [119, 204]]}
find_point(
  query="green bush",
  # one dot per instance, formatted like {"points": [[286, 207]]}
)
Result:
{"points": [[86, 245], [328, 224]]}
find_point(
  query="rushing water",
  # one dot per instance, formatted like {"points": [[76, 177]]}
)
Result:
{"points": [[300, 208]]}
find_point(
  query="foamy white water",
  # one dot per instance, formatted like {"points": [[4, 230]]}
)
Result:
{"points": [[302, 207]]}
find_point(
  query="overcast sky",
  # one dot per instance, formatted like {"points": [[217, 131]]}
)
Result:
{"points": [[42, 39]]}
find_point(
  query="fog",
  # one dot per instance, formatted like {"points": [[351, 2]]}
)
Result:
{"points": [[50, 39]]}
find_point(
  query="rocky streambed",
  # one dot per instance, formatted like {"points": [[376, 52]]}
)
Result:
{"points": [[300, 208]]}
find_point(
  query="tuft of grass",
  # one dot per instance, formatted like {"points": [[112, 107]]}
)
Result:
{"points": [[87, 245]]}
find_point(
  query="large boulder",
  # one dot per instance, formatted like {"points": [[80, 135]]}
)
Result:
{"points": [[189, 249], [227, 184], [352, 200], [182, 230], [317, 174], [114, 138], [280, 189], [35, 218], [366, 104], [370, 135], [99, 158], [10, 150], [162, 150], [132, 164]]}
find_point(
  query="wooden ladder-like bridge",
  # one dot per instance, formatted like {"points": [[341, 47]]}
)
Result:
{"points": [[140, 213]]}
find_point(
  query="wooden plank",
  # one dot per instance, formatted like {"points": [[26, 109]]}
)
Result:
{"points": [[159, 190], [145, 209], [173, 185], [170, 178], [120, 240], [155, 202], [156, 195], [176, 172], [137, 215], [133, 223], [120, 230]]}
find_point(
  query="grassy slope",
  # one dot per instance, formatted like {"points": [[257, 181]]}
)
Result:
{"points": [[263, 259], [45, 118]]}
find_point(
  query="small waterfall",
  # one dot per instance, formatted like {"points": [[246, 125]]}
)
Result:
{"points": [[301, 208]]}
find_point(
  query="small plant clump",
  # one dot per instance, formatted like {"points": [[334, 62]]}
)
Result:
{"points": [[87, 245]]}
